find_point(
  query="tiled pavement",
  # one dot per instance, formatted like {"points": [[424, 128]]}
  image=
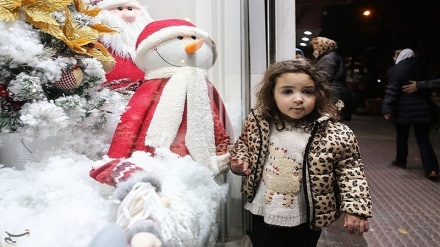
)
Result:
{"points": [[406, 205]]}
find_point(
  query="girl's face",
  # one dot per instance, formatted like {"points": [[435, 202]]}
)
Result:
{"points": [[295, 95]]}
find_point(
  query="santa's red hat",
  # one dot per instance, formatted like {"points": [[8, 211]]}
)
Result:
{"points": [[157, 32], [105, 4]]}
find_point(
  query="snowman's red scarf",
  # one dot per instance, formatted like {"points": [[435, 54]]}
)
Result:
{"points": [[186, 84]]}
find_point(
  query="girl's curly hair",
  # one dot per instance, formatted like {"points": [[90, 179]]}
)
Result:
{"points": [[325, 95]]}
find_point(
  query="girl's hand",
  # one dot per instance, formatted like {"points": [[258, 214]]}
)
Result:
{"points": [[239, 166], [354, 224]]}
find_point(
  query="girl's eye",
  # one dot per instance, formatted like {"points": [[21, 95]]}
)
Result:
{"points": [[309, 92], [180, 37], [193, 37], [287, 91]]}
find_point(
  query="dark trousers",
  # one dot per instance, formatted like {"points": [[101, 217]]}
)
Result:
{"points": [[421, 132], [265, 235]]}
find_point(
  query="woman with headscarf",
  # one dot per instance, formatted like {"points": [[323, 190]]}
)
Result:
{"points": [[332, 65], [406, 109]]}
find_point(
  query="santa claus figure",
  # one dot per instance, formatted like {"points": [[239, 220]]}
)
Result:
{"points": [[173, 108], [128, 18]]}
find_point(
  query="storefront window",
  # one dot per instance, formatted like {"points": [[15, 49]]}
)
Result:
{"points": [[249, 35], [222, 20]]}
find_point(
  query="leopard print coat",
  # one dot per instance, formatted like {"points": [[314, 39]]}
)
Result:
{"points": [[334, 179]]}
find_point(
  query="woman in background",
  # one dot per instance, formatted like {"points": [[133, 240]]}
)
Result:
{"points": [[406, 109], [332, 65]]}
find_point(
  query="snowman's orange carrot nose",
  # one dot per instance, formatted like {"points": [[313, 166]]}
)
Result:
{"points": [[194, 46]]}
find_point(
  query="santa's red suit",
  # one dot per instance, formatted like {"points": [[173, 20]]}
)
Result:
{"points": [[128, 17], [176, 107], [125, 73]]}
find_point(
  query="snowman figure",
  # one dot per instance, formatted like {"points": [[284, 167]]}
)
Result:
{"points": [[172, 108], [175, 108]]}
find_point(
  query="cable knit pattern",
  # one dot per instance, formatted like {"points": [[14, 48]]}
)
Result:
{"points": [[279, 199]]}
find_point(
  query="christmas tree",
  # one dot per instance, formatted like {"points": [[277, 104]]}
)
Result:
{"points": [[51, 68]]}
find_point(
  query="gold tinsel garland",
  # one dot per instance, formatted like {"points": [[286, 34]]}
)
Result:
{"points": [[82, 40]]}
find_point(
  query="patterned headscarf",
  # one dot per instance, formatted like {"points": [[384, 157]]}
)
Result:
{"points": [[324, 45]]}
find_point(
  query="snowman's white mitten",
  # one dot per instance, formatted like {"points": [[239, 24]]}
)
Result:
{"points": [[222, 161]]}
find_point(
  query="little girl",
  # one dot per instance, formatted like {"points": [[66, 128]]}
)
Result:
{"points": [[302, 167]]}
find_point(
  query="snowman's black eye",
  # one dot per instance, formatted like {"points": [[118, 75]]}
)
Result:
{"points": [[120, 8], [193, 37], [130, 8], [180, 37]]}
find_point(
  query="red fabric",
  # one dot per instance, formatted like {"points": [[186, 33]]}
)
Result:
{"points": [[114, 172], [155, 26], [123, 74], [104, 173], [219, 109], [67, 81], [123, 171], [131, 131], [138, 115]]}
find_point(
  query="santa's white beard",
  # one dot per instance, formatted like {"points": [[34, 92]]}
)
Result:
{"points": [[123, 43]]}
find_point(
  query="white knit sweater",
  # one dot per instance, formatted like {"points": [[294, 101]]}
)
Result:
{"points": [[279, 197]]}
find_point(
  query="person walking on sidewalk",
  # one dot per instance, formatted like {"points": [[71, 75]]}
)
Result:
{"points": [[332, 65], [406, 109], [302, 166]]}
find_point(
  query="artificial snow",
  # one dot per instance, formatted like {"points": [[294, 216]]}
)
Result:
{"points": [[47, 198], [56, 201], [50, 196]]}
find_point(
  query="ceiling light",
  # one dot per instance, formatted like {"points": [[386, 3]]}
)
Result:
{"points": [[305, 39], [302, 44], [307, 33]]}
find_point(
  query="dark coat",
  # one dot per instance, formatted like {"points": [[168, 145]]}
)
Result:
{"points": [[333, 66], [432, 85], [406, 108]]}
